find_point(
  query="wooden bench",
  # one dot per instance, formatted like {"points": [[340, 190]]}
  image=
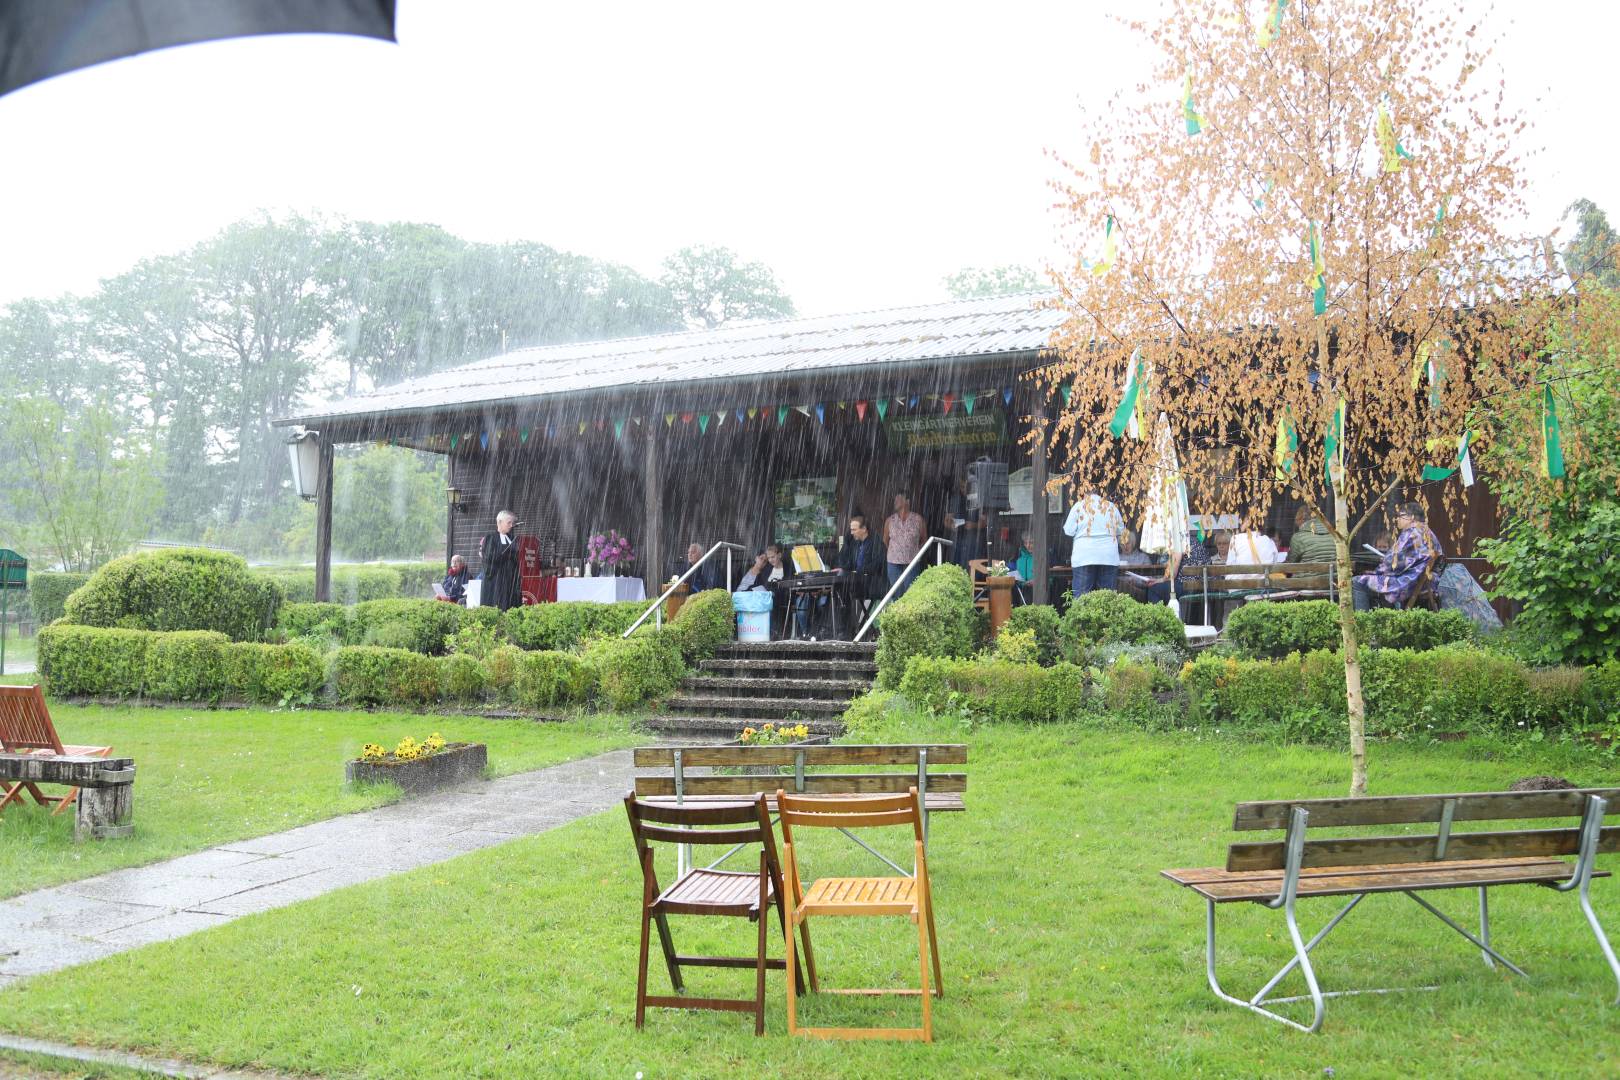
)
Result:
{"points": [[106, 788], [1262, 581], [789, 769], [1279, 873]]}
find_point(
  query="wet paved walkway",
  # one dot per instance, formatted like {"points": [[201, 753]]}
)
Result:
{"points": [[86, 920]]}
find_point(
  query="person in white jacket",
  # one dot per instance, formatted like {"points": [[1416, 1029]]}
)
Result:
{"points": [[1096, 525], [1251, 548]]}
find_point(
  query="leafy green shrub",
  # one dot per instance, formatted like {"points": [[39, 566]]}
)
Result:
{"points": [[995, 689], [271, 674], [315, 621], [477, 638], [1603, 693], [1126, 687], [704, 623], [90, 660], [1016, 646], [871, 711], [370, 675], [48, 591], [1389, 628], [185, 666], [1164, 661], [178, 589], [1267, 629], [565, 626], [1561, 565], [934, 618], [502, 667], [1275, 629], [463, 677], [1043, 620], [1103, 615], [423, 626], [546, 679], [632, 672]]}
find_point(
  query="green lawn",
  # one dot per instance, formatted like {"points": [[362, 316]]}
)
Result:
{"points": [[1064, 953], [211, 776]]}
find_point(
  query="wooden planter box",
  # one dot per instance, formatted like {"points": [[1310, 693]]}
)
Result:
{"points": [[457, 763]]}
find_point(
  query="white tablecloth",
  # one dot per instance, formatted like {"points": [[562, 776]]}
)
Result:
{"points": [[600, 590]]}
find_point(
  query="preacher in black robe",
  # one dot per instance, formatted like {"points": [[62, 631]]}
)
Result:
{"points": [[503, 574]]}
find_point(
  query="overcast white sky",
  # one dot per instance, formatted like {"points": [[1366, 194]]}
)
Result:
{"points": [[863, 151]]}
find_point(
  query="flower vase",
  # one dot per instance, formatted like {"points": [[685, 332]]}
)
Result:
{"points": [[588, 571]]}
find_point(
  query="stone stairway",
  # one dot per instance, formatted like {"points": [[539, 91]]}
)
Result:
{"points": [[808, 682]]}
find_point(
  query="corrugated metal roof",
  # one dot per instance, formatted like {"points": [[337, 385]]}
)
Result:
{"points": [[957, 328]]}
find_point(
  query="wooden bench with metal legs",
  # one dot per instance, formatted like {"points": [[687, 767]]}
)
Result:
{"points": [[908, 896], [707, 891], [1278, 874]]}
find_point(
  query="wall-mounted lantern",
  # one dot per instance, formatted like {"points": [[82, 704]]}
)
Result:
{"points": [[456, 499], [304, 448]]}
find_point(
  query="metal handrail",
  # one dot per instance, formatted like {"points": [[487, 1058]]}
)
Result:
{"points": [[932, 541], [658, 604]]}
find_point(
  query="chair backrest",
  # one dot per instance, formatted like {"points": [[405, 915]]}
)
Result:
{"points": [[1442, 845], [25, 723], [850, 812], [743, 822], [917, 761]]}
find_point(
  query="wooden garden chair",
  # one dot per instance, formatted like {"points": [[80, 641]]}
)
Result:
{"points": [[706, 891], [26, 728], [909, 896]]}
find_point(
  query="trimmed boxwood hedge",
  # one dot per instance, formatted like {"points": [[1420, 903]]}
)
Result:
{"points": [[93, 661], [315, 620], [423, 626], [1270, 629], [566, 625], [185, 665], [997, 690], [1103, 616], [178, 589], [270, 674], [48, 592], [546, 679], [371, 675], [704, 623], [934, 618], [630, 672]]}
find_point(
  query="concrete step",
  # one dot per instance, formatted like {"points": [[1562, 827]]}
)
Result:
{"points": [[777, 709], [797, 650], [854, 670], [726, 729], [820, 689]]}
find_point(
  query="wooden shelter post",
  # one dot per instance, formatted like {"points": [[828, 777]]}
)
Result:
{"points": [[323, 524], [652, 490], [1039, 519]]}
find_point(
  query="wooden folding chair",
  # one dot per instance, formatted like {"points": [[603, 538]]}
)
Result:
{"points": [[909, 896], [26, 728], [707, 891]]}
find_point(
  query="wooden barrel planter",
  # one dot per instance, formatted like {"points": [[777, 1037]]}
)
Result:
{"points": [[457, 763]]}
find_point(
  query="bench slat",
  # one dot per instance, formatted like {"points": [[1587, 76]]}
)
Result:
{"points": [[1372, 850], [814, 783], [1222, 886], [1411, 809], [664, 756], [80, 771], [933, 802]]}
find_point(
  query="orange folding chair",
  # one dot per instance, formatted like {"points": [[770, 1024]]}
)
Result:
{"points": [[26, 728], [909, 896]]}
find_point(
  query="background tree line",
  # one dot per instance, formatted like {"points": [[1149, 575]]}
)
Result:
{"points": [[144, 409]]}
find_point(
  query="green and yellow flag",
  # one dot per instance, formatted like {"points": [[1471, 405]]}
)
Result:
{"points": [[1430, 363], [1394, 154], [1189, 111], [1318, 276], [1271, 24], [1110, 249], [1552, 438], [1333, 444], [1287, 444], [1128, 416]]}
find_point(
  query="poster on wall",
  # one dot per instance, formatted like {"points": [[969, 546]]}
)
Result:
{"points": [[805, 511]]}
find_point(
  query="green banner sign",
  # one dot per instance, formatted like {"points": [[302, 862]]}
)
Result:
{"points": [[985, 429], [13, 570]]}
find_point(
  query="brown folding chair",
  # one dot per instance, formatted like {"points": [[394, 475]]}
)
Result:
{"points": [[26, 728], [706, 891], [908, 896]]}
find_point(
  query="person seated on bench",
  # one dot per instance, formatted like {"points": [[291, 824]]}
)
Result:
{"points": [[1312, 542], [770, 568], [455, 582], [1251, 548], [1196, 555], [709, 575], [1397, 576]]}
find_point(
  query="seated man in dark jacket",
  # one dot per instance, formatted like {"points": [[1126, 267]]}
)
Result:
{"points": [[454, 584], [710, 575], [863, 560]]}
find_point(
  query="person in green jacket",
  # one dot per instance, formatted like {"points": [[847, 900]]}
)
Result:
{"points": [[1312, 543]]}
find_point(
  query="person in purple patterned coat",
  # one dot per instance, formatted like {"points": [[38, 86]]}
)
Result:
{"points": [[1416, 547]]}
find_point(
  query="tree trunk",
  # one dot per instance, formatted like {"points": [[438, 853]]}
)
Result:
{"points": [[1355, 705]]}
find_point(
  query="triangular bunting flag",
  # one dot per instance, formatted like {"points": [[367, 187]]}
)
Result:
{"points": [[883, 408], [753, 412], [703, 423], [1318, 275], [601, 422], [912, 404], [802, 410], [551, 431], [1433, 473], [618, 428], [821, 412], [582, 426], [669, 419], [781, 415], [740, 415], [453, 440], [1110, 250], [843, 404], [720, 418], [686, 417], [860, 411], [483, 441], [1006, 396], [1127, 415], [950, 399], [967, 402], [1066, 389]]}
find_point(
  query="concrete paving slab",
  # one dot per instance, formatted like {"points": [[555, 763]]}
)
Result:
{"points": [[165, 927]]}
